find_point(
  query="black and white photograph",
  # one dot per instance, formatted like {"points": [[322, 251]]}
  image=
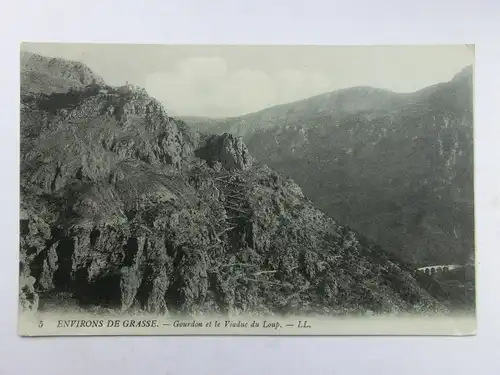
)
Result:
{"points": [[246, 189]]}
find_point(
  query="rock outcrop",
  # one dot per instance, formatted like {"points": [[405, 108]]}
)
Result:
{"points": [[228, 150], [121, 209]]}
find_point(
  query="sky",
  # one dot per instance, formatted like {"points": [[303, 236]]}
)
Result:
{"points": [[224, 81]]}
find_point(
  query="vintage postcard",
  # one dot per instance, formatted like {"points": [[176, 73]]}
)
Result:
{"points": [[246, 190]]}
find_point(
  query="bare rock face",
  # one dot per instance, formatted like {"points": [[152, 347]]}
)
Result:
{"points": [[120, 125], [228, 150], [28, 298]]}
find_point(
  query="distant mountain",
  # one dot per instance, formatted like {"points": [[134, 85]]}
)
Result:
{"points": [[124, 208], [397, 167]]}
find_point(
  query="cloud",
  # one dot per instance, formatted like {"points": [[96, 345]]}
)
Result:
{"points": [[207, 87]]}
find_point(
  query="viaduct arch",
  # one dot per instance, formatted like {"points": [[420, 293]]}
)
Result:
{"points": [[431, 270]]}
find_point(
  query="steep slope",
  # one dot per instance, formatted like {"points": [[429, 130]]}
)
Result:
{"points": [[122, 208], [396, 167], [40, 74]]}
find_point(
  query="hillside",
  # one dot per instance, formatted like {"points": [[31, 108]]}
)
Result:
{"points": [[396, 167], [40, 74], [125, 208]]}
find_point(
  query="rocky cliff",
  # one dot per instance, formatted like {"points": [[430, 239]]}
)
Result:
{"points": [[123, 208]]}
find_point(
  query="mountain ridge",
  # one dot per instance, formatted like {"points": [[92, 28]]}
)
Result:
{"points": [[220, 124]]}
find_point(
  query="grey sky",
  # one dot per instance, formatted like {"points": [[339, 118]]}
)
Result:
{"points": [[219, 81]]}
